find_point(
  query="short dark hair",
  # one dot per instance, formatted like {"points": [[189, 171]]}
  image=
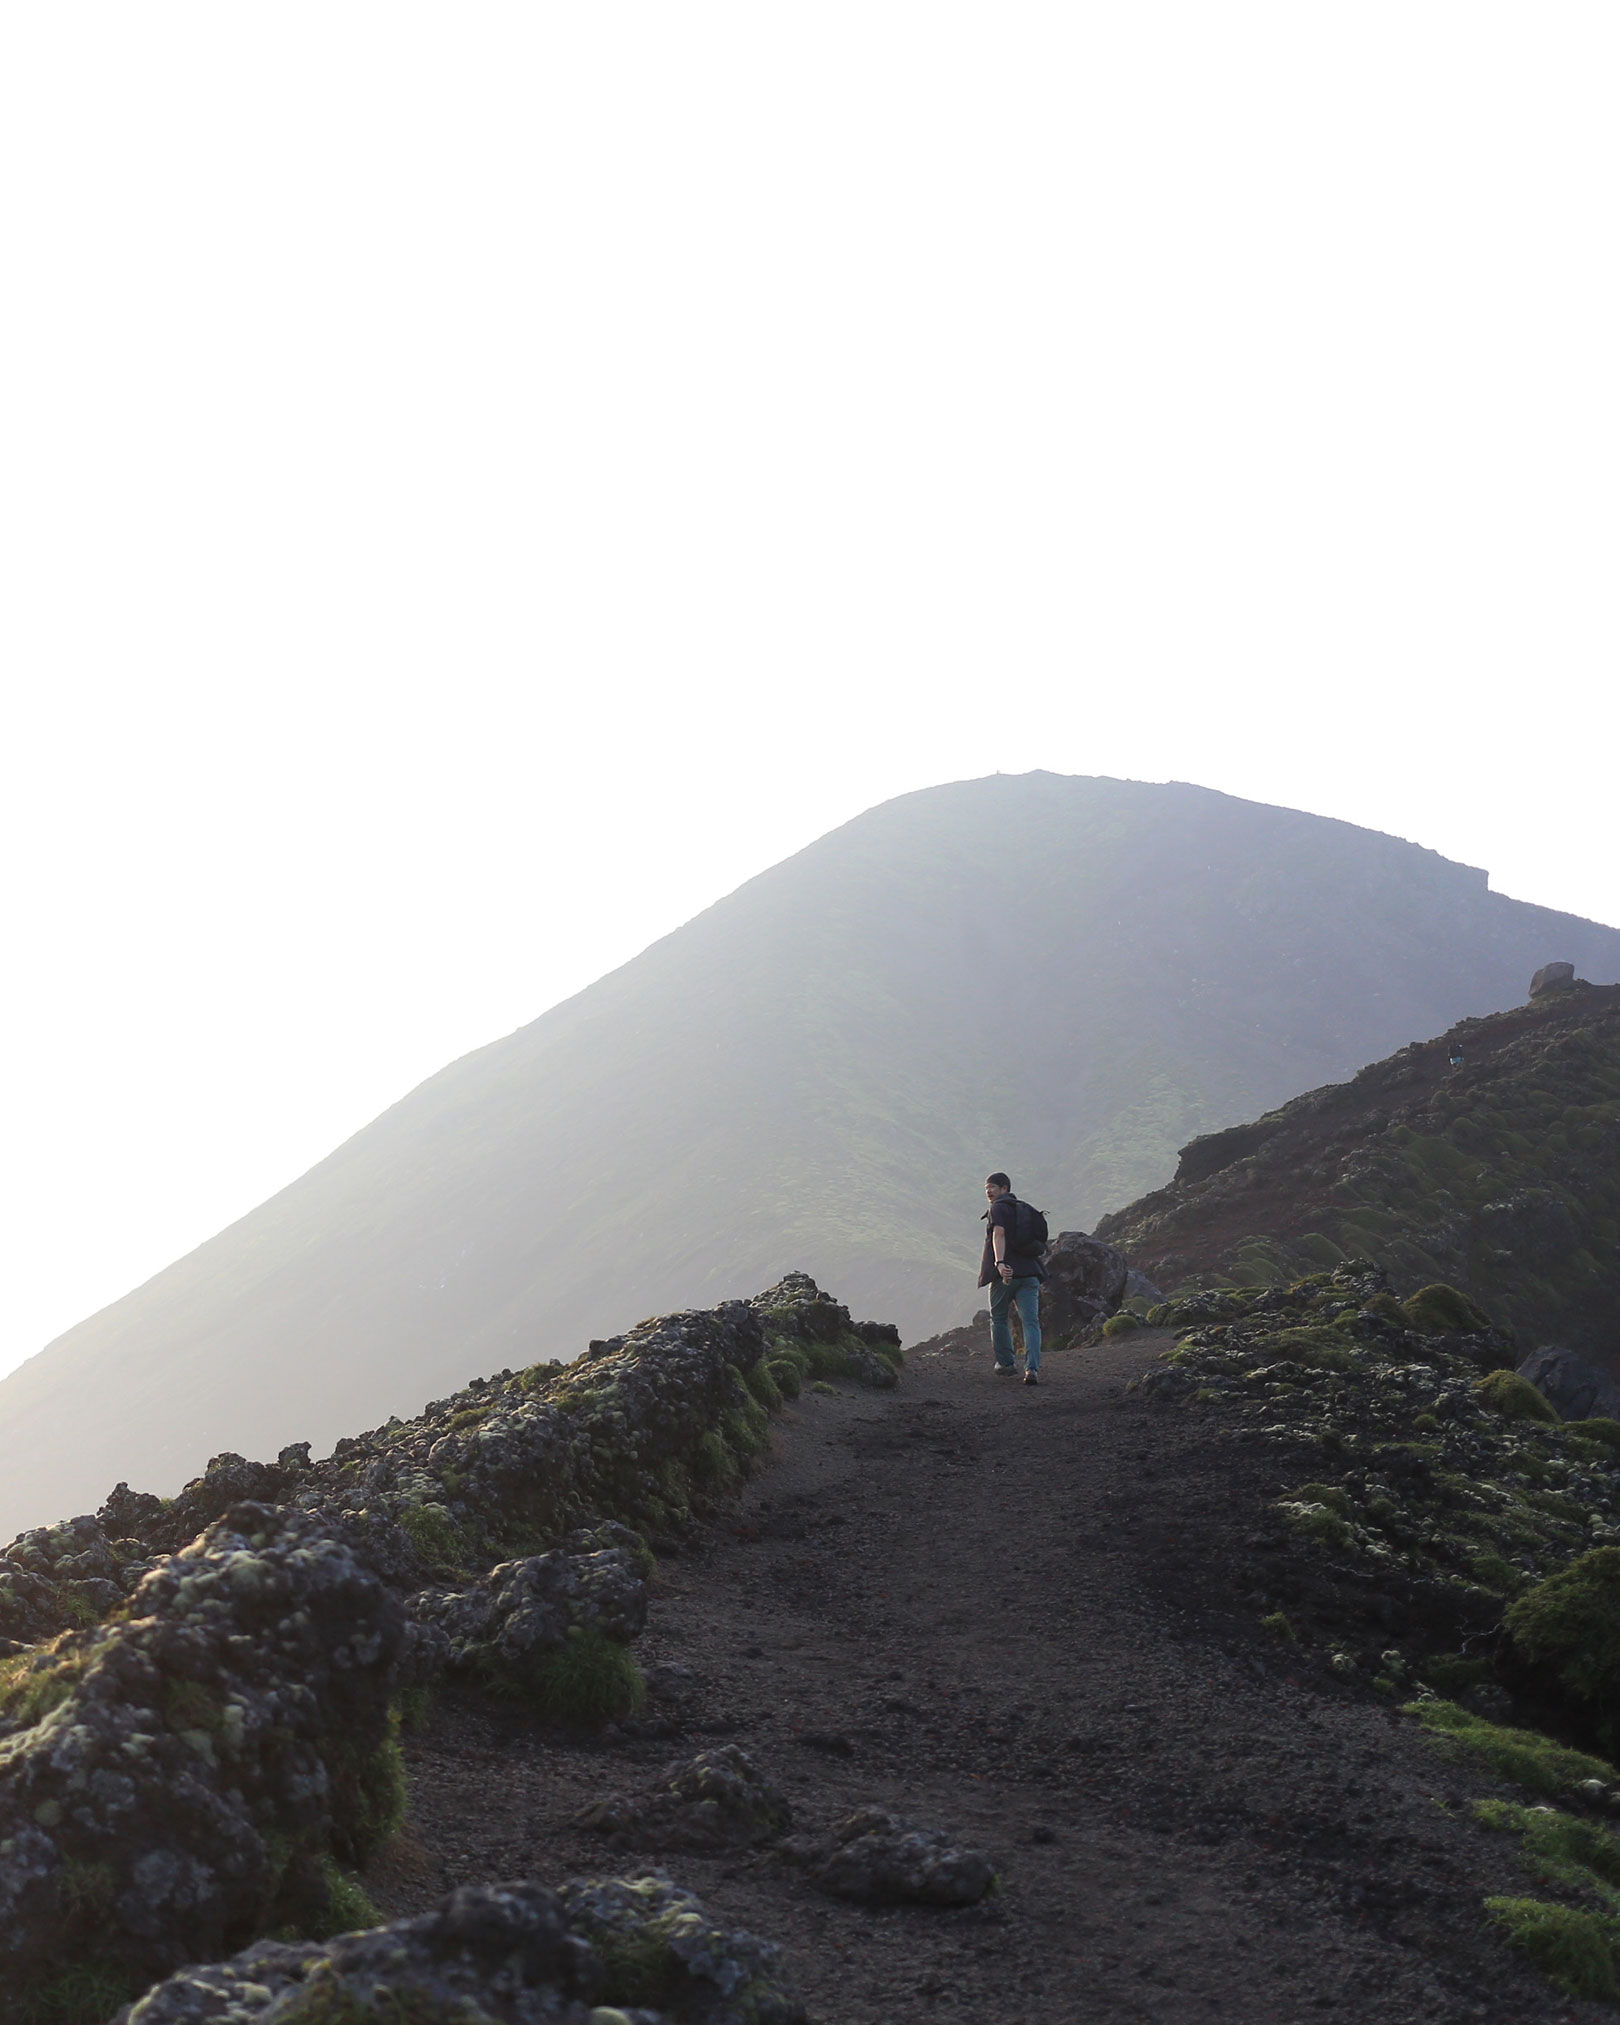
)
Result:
{"points": [[997, 1181]]}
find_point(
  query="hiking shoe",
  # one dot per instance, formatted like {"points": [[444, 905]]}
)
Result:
{"points": [[1008, 1370], [1030, 1378]]}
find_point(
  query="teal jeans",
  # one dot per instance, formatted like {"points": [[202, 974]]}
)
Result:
{"points": [[1026, 1291]]}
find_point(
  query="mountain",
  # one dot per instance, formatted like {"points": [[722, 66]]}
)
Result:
{"points": [[1488, 1159], [1065, 977]]}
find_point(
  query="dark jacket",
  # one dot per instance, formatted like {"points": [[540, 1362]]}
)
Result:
{"points": [[1025, 1265]]}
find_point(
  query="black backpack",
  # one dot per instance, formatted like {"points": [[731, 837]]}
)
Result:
{"points": [[1029, 1233]]}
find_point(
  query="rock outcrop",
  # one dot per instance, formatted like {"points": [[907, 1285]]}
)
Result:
{"points": [[634, 1952]]}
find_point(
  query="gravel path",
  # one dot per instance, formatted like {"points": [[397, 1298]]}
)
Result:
{"points": [[1003, 1611]]}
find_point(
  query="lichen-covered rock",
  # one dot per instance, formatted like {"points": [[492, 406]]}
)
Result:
{"points": [[512, 1954], [523, 1610], [660, 1946], [717, 1800], [880, 1859], [169, 1783]]}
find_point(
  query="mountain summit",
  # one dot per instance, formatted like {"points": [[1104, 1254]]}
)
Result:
{"points": [[1067, 977]]}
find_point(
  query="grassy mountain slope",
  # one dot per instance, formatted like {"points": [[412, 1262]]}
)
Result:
{"points": [[1500, 1176], [1064, 976]]}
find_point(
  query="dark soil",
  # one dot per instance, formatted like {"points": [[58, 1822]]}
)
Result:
{"points": [[1011, 1613]]}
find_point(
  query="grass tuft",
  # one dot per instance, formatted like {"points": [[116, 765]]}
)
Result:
{"points": [[1569, 1947], [1524, 1756], [588, 1681], [1506, 1392]]}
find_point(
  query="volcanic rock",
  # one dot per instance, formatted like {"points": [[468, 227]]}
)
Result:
{"points": [[514, 1952], [717, 1800]]}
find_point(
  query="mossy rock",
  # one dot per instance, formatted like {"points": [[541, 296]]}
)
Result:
{"points": [[761, 1382], [1122, 1324], [787, 1376], [1570, 1624], [1566, 1944], [1605, 1431], [1439, 1310], [1507, 1393]]}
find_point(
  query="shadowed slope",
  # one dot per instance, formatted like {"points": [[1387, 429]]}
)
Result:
{"points": [[1068, 977]]}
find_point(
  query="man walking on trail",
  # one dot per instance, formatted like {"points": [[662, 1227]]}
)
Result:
{"points": [[1014, 1275]]}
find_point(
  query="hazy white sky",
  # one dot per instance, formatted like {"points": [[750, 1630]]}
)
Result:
{"points": [[478, 483]]}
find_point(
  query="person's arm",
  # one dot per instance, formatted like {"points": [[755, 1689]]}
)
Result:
{"points": [[998, 1244]]}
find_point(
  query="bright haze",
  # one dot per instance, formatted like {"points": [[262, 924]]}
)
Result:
{"points": [[480, 484]]}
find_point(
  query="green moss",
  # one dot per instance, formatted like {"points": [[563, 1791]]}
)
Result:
{"points": [[87, 1994], [188, 1705], [1387, 1309], [1279, 1628], [348, 1907], [468, 1416], [1524, 1756], [368, 1792], [1605, 1431], [1440, 1310], [1571, 1623], [1122, 1324], [1320, 1346], [787, 1376], [35, 1682], [763, 1386], [413, 1708], [746, 1429], [434, 1535], [589, 1681], [1568, 1946], [711, 1462], [821, 1385], [1326, 1494], [1506, 1392]]}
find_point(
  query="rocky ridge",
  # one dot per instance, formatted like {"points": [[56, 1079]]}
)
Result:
{"points": [[200, 1697], [1488, 1159]]}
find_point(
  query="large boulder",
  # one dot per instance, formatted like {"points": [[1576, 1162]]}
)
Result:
{"points": [[642, 1950], [1085, 1284], [1552, 977], [1579, 1390]]}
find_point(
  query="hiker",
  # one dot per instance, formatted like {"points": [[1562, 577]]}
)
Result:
{"points": [[1011, 1268]]}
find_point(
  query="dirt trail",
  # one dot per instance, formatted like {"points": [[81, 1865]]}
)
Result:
{"points": [[1002, 1610]]}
